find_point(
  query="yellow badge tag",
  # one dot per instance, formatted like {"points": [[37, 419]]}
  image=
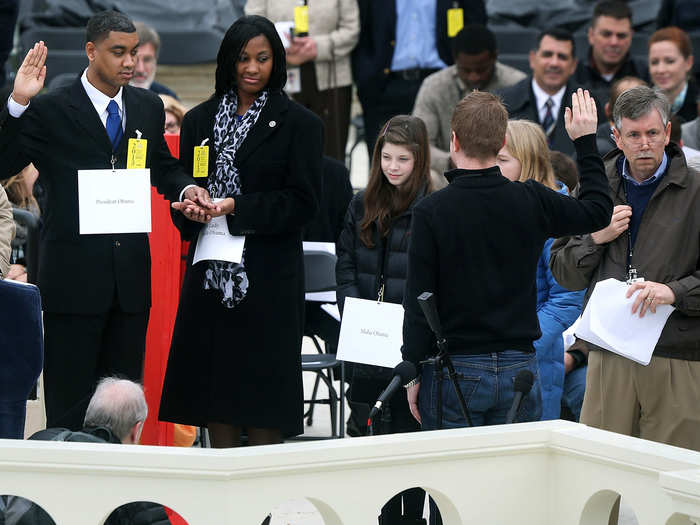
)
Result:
{"points": [[200, 166], [136, 154], [455, 21], [301, 19]]}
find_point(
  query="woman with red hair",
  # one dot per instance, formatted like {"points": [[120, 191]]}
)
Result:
{"points": [[670, 62]]}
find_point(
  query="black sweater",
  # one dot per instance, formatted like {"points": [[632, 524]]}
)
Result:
{"points": [[475, 244]]}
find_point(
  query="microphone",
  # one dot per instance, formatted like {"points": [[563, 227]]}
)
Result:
{"points": [[426, 301], [403, 373], [522, 386]]}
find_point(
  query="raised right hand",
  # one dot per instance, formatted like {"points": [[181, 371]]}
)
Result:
{"points": [[30, 75], [619, 223], [582, 118]]}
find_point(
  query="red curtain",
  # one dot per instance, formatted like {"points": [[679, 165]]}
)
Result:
{"points": [[166, 253]]}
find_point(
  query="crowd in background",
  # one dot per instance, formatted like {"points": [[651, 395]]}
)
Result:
{"points": [[277, 127]]}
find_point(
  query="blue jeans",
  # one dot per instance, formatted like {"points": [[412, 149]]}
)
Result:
{"points": [[486, 381], [574, 389]]}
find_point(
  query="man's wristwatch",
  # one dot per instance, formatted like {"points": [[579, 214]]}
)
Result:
{"points": [[412, 382]]}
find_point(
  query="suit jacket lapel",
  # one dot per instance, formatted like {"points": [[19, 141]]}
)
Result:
{"points": [[86, 117], [272, 116], [132, 109]]}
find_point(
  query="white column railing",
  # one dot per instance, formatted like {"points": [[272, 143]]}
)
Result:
{"points": [[555, 473]]}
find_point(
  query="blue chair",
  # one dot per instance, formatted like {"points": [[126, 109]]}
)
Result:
{"points": [[21, 353]]}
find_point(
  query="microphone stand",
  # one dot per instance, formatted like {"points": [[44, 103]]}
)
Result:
{"points": [[426, 300]]}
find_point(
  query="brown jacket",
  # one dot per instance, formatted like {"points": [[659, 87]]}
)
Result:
{"points": [[7, 232], [667, 250]]}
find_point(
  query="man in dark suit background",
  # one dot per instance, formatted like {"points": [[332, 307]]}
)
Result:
{"points": [[542, 96], [397, 49], [95, 288]]}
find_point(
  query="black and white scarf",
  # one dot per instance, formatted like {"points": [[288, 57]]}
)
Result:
{"points": [[229, 133]]}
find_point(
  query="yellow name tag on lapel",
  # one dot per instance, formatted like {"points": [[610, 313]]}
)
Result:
{"points": [[301, 19], [455, 21], [136, 154], [200, 166]]}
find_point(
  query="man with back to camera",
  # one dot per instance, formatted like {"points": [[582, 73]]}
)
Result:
{"points": [[475, 245], [608, 58], [654, 233], [147, 61], [543, 96], [95, 288], [476, 67]]}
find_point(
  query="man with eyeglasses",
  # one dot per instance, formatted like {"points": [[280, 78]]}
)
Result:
{"points": [[608, 58], [653, 242]]}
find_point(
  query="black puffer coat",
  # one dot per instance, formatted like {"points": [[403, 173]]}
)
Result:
{"points": [[359, 273], [360, 269]]}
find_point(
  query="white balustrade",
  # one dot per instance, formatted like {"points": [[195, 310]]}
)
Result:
{"points": [[555, 473]]}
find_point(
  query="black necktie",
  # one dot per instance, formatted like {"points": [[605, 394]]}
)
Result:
{"points": [[548, 123]]}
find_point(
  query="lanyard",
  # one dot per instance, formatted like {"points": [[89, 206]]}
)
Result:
{"points": [[631, 271]]}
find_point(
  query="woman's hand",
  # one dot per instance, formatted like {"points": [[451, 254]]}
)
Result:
{"points": [[582, 118], [195, 212], [301, 49], [223, 207]]}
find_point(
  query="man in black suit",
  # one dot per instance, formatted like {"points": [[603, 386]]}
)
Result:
{"points": [[95, 288], [543, 96], [397, 49]]}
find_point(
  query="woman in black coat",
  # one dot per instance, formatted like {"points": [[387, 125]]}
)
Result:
{"points": [[372, 263], [235, 356]]}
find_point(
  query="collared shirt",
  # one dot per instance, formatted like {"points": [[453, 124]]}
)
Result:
{"points": [[541, 98], [651, 180], [680, 99], [416, 44], [100, 101]]}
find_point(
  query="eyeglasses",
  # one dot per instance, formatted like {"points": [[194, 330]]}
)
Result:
{"points": [[652, 138], [172, 127]]}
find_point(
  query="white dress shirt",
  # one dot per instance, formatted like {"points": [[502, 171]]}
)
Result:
{"points": [[541, 98]]}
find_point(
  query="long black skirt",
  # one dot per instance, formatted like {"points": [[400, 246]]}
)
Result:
{"points": [[239, 366]]}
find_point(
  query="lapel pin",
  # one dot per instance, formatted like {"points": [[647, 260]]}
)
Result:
{"points": [[272, 124]]}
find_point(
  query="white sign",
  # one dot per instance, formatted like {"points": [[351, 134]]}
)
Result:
{"points": [[215, 242], [284, 30], [608, 322], [114, 201], [371, 332]]}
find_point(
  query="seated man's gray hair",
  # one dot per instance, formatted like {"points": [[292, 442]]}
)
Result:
{"points": [[117, 404], [637, 102]]}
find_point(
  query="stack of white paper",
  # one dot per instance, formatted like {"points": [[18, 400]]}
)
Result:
{"points": [[608, 322]]}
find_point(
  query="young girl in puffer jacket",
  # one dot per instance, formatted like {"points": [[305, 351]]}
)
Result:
{"points": [[372, 262]]}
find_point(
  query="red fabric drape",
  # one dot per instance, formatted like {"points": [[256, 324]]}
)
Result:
{"points": [[166, 277], [165, 289]]}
